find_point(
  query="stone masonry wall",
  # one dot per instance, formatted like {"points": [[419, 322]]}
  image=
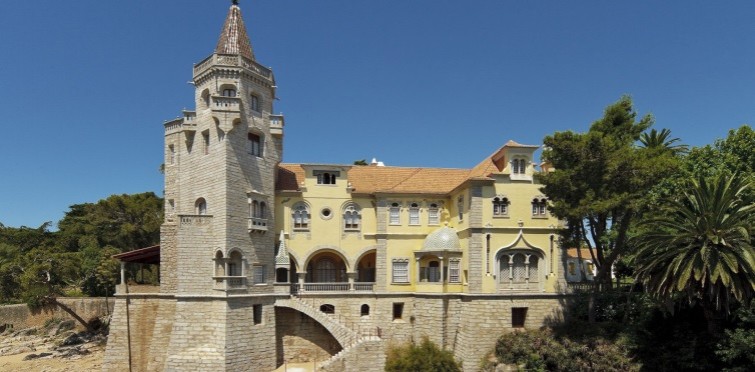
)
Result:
{"points": [[247, 341], [197, 339], [131, 339], [20, 316]]}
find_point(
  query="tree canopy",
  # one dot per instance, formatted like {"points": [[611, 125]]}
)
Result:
{"points": [[600, 180], [37, 265]]}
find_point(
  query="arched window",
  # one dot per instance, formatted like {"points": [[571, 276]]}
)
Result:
{"points": [[200, 207], [500, 206], [364, 310], [325, 271], [300, 216], [352, 217], [433, 214], [394, 214], [519, 270], [229, 92], [206, 98], [263, 210], [414, 214], [539, 207], [430, 273], [326, 178], [518, 166], [519, 267]]}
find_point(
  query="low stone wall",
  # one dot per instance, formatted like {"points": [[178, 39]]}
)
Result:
{"points": [[20, 316]]}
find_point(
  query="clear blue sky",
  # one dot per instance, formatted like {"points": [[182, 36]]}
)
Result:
{"points": [[87, 84]]}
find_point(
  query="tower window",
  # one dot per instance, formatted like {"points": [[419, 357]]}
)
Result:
{"points": [[255, 144], [228, 92], [254, 103], [171, 155], [257, 313], [200, 206]]}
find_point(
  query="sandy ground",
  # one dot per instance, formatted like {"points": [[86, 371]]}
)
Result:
{"points": [[17, 345]]}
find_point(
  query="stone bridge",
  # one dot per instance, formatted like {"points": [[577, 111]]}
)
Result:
{"points": [[343, 334]]}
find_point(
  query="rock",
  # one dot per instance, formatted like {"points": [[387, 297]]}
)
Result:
{"points": [[21, 350], [62, 327], [73, 339], [25, 332], [75, 351], [36, 356]]}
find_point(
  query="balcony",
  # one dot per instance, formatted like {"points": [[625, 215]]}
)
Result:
{"points": [[257, 224], [189, 220], [225, 283], [333, 287], [234, 61], [225, 104], [187, 122], [276, 125]]}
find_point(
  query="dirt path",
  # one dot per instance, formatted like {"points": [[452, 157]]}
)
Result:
{"points": [[55, 348]]}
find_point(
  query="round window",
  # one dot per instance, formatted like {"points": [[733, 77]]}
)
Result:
{"points": [[326, 213]]}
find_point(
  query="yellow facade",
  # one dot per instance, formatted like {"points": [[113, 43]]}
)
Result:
{"points": [[503, 238]]}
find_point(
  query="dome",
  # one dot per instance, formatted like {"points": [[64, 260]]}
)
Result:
{"points": [[444, 238]]}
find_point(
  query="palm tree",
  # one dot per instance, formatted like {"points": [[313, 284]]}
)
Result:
{"points": [[702, 247], [656, 139]]}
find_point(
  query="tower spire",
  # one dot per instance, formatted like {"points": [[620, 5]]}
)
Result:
{"points": [[233, 38]]}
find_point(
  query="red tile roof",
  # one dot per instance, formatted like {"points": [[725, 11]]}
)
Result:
{"points": [[233, 38]]}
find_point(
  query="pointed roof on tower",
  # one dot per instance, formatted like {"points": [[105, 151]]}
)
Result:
{"points": [[234, 39], [281, 259]]}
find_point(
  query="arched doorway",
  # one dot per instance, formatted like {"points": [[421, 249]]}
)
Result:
{"points": [[366, 268], [326, 267]]}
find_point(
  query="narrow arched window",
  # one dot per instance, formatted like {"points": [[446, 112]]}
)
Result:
{"points": [[255, 209], [263, 210], [433, 214], [200, 206], [254, 103], [414, 214], [364, 310], [394, 214]]}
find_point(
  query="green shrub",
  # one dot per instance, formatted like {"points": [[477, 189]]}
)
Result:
{"points": [[737, 348], [425, 357], [540, 350]]}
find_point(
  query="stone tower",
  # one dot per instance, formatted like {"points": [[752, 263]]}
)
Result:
{"points": [[217, 242]]}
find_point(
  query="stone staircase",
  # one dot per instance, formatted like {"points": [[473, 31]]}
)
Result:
{"points": [[355, 347]]}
